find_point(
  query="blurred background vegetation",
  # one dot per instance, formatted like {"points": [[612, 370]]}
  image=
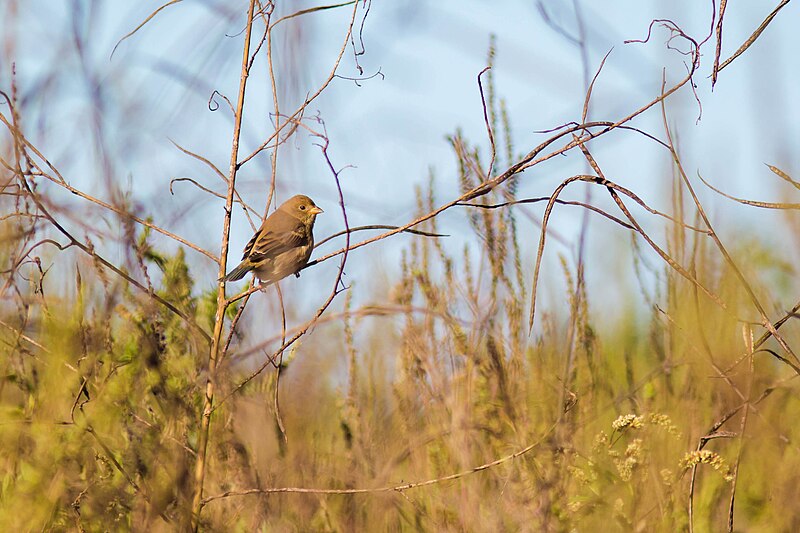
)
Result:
{"points": [[649, 395]]}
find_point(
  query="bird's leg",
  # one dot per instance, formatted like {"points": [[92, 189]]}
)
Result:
{"points": [[297, 274]]}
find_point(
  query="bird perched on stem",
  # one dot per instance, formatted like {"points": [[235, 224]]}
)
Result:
{"points": [[283, 243]]}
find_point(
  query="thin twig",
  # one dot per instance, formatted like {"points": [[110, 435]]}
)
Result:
{"points": [[219, 317], [718, 50], [488, 125], [301, 109], [750, 40], [141, 25], [278, 370], [393, 488], [124, 213]]}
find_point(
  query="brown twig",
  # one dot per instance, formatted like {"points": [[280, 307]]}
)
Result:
{"points": [[276, 110], [248, 211], [21, 335], [141, 25], [301, 109], [219, 317], [367, 310], [234, 323], [756, 34], [613, 190], [742, 428], [590, 88], [558, 201], [753, 203], [278, 370], [524, 163], [393, 488], [488, 124], [718, 49], [784, 176], [373, 226]]}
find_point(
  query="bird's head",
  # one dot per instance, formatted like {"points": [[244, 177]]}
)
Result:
{"points": [[301, 207]]}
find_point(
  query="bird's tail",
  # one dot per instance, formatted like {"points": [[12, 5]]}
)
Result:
{"points": [[239, 272]]}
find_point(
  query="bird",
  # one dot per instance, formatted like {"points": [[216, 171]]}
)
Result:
{"points": [[283, 243]]}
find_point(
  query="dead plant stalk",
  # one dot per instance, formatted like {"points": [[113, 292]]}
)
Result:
{"points": [[219, 317]]}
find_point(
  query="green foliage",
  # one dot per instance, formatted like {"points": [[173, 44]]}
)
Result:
{"points": [[97, 423]]}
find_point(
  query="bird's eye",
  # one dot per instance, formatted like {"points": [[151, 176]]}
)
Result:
{"points": [[302, 208]]}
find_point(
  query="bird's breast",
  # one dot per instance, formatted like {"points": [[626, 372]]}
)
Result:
{"points": [[285, 264]]}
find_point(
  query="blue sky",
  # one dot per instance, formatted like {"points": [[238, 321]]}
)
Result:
{"points": [[392, 130]]}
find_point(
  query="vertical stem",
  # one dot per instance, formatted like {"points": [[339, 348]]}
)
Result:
{"points": [[208, 402], [275, 103], [578, 323]]}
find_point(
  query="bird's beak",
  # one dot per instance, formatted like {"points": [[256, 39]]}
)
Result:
{"points": [[316, 210]]}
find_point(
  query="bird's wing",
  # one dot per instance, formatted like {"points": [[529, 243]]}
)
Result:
{"points": [[284, 233]]}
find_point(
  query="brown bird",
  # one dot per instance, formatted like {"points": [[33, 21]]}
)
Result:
{"points": [[283, 243]]}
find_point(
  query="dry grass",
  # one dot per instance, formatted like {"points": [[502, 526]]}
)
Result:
{"points": [[434, 407], [446, 380]]}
